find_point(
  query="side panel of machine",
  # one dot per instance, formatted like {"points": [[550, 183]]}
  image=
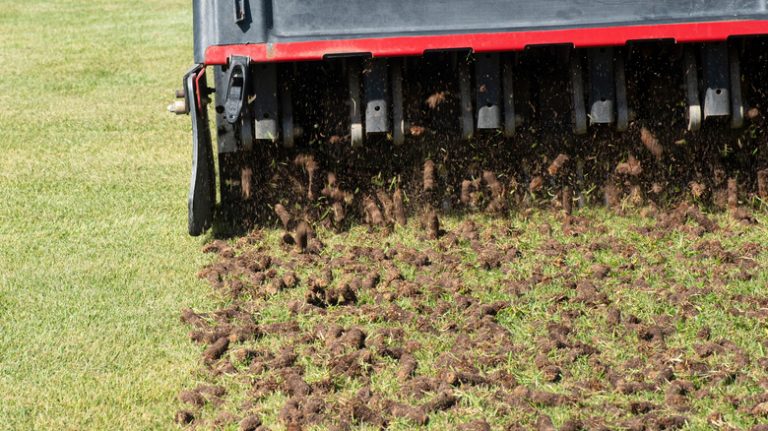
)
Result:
{"points": [[220, 22], [302, 19], [229, 22]]}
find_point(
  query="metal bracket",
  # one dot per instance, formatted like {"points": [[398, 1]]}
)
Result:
{"points": [[602, 87], [202, 189], [488, 91], [237, 88], [717, 97], [239, 11], [376, 84], [265, 102]]}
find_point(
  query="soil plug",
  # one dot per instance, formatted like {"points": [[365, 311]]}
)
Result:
{"points": [[429, 176], [557, 164], [301, 236], [733, 194], [399, 207], [432, 225], [283, 215], [651, 143], [762, 184]]}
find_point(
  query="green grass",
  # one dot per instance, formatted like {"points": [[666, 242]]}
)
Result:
{"points": [[95, 262]]}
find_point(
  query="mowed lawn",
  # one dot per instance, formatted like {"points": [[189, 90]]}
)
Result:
{"points": [[95, 262]]}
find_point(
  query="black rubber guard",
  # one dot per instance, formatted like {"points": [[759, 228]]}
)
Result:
{"points": [[202, 188]]}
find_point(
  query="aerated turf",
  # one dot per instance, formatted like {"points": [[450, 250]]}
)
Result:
{"points": [[537, 321]]}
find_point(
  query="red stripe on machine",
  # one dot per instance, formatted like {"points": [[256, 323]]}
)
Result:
{"points": [[486, 42]]}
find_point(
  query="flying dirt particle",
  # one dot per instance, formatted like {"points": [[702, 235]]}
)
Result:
{"points": [[733, 194], [246, 183], [312, 168], [636, 196], [536, 184], [417, 130], [657, 188], [216, 350], [301, 236], [184, 417], [612, 195], [697, 189], [651, 143], [762, 184], [429, 175], [373, 215], [250, 423], [719, 175], [432, 225], [493, 184], [567, 199], [399, 208], [557, 164], [466, 192], [630, 168], [389, 206], [283, 215], [436, 99], [338, 212]]}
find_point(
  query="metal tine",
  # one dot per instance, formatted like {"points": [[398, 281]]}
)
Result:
{"points": [[376, 87], [577, 94], [355, 116], [693, 114], [465, 95], [488, 91]]}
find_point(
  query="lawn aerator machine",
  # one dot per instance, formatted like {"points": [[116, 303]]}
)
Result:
{"points": [[293, 76]]}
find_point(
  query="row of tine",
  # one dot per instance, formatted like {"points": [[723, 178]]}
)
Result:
{"points": [[598, 85]]}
